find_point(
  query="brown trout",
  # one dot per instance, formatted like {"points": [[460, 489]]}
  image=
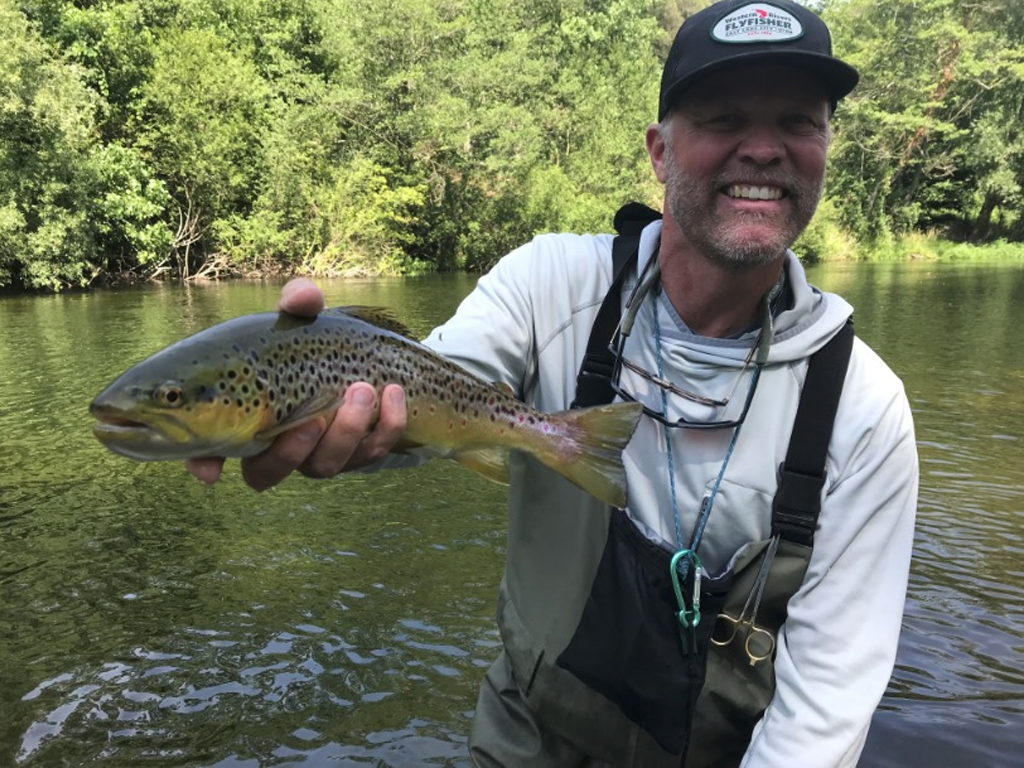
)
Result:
{"points": [[230, 389]]}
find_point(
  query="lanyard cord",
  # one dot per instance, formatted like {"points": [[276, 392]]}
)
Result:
{"points": [[690, 553], [668, 435], [705, 511]]}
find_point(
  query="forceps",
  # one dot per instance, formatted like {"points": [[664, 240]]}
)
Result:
{"points": [[760, 642]]}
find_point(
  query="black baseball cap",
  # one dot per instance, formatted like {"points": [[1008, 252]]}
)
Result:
{"points": [[734, 33]]}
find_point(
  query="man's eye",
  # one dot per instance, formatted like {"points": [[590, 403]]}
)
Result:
{"points": [[802, 124], [723, 121]]}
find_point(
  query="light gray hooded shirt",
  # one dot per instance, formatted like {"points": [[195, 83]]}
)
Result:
{"points": [[527, 324]]}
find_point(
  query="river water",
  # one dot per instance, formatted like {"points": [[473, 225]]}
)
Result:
{"points": [[148, 620]]}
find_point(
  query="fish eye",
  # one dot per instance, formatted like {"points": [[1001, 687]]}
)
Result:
{"points": [[170, 395]]}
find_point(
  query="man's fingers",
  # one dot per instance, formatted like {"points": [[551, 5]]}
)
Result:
{"points": [[360, 432], [206, 470], [301, 297], [288, 451], [352, 423], [389, 428]]}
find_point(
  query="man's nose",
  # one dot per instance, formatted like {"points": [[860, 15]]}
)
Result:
{"points": [[762, 144]]}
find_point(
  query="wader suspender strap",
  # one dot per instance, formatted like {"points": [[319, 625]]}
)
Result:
{"points": [[802, 475], [593, 384], [797, 501]]}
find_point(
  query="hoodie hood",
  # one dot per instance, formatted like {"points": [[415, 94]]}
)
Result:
{"points": [[810, 319]]}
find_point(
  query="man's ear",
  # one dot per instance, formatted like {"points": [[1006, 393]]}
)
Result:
{"points": [[656, 149]]}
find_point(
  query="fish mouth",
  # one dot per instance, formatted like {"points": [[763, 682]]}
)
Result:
{"points": [[113, 421], [115, 425], [128, 436]]}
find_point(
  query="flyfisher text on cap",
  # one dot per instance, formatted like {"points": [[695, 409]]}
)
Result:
{"points": [[738, 32]]}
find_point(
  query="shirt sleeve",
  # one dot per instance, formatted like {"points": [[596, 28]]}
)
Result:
{"points": [[837, 649], [489, 335], [492, 329]]}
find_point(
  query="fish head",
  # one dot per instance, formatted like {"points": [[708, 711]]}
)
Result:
{"points": [[183, 403]]}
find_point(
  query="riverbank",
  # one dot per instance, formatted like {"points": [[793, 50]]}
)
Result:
{"points": [[816, 246], [827, 243]]}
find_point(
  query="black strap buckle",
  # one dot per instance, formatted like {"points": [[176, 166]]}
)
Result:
{"points": [[796, 506]]}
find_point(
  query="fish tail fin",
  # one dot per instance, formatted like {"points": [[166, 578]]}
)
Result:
{"points": [[592, 459]]}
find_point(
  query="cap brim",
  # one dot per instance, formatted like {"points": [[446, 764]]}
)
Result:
{"points": [[836, 76]]}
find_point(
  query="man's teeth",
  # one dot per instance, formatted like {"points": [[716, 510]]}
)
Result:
{"points": [[754, 193]]}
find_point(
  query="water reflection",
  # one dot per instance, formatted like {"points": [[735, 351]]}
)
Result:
{"points": [[146, 618]]}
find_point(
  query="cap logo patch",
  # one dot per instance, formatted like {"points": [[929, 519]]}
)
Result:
{"points": [[757, 23]]}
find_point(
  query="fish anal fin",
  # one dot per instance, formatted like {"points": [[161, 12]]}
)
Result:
{"points": [[490, 462]]}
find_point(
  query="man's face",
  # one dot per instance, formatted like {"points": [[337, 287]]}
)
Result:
{"points": [[744, 162]]}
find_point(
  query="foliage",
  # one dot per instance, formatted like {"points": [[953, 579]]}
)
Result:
{"points": [[824, 239], [931, 138], [192, 137]]}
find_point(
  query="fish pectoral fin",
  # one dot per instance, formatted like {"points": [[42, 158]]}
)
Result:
{"points": [[316, 406], [492, 463]]}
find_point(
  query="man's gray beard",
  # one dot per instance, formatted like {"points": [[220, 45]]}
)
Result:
{"points": [[684, 199]]}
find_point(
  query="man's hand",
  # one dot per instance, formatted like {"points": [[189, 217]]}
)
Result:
{"points": [[359, 433]]}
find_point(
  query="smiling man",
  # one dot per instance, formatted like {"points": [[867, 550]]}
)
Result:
{"points": [[745, 605]]}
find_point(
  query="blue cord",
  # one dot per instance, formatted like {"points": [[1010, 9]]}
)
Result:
{"points": [[705, 512], [668, 438]]}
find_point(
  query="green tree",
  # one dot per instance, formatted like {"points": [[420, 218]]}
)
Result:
{"points": [[937, 75]]}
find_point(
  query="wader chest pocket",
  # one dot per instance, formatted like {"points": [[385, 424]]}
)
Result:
{"points": [[627, 645]]}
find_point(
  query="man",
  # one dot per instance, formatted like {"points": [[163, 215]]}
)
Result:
{"points": [[725, 314]]}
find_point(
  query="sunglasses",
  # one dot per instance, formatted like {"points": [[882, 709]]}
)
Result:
{"points": [[757, 357]]}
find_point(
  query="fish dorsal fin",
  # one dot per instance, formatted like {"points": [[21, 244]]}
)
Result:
{"points": [[378, 316], [323, 403]]}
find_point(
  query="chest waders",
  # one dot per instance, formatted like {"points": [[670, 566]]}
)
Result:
{"points": [[700, 707]]}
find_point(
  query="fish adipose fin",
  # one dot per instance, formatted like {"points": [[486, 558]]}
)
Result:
{"points": [[593, 458]]}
